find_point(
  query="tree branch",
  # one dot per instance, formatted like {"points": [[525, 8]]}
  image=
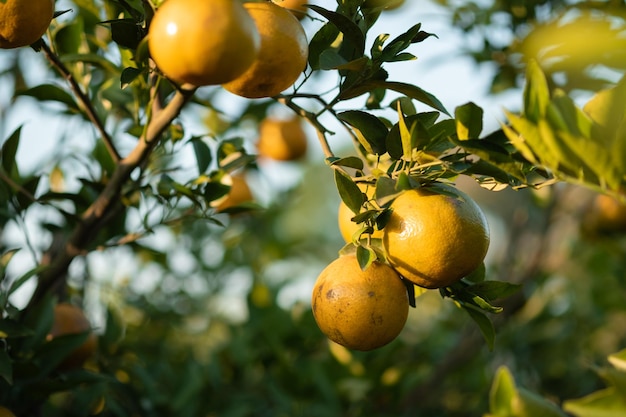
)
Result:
{"points": [[83, 100], [91, 220]]}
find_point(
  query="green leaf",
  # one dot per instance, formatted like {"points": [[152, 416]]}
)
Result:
{"points": [[353, 37], [202, 152], [536, 92], [618, 360], [469, 121], [408, 90], [6, 367], [369, 129], [400, 43], [12, 329], [9, 151], [50, 92], [484, 324], [529, 404], [125, 32], [494, 290], [604, 403], [129, 74], [366, 256], [321, 41], [349, 192], [405, 136], [349, 162], [502, 392]]}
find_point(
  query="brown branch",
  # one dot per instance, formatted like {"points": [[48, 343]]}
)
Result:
{"points": [[83, 100], [91, 221], [313, 120]]}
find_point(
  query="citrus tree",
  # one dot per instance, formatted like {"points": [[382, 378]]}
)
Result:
{"points": [[166, 161]]}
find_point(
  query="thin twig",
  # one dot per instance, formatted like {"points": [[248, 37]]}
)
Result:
{"points": [[91, 220], [83, 99], [314, 121]]}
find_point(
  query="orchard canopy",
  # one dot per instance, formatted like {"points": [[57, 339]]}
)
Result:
{"points": [[324, 208]]}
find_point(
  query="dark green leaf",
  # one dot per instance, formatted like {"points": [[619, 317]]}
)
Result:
{"points": [[129, 74], [12, 329], [49, 92], [321, 42], [399, 44], [484, 324], [349, 162], [469, 121], [369, 129], [125, 32], [202, 152], [349, 192], [353, 37], [6, 367], [8, 152], [408, 90], [494, 290], [366, 256], [536, 92]]}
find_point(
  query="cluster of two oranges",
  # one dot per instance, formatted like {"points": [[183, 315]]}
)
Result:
{"points": [[434, 237], [254, 50]]}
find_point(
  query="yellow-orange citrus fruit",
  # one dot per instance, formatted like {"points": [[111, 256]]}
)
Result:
{"points": [[239, 193], [70, 319], [23, 22], [297, 7], [5, 412], [434, 239], [361, 310], [607, 214], [203, 42], [283, 55], [347, 227], [384, 4], [282, 140]]}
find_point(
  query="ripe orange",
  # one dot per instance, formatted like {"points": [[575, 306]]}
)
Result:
{"points": [[203, 42], [5, 412], [282, 140], [294, 6], [239, 193], [361, 310], [22, 22], [606, 215], [347, 227], [435, 239], [283, 56], [70, 319]]}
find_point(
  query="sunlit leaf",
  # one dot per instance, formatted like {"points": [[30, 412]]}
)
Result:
{"points": [[469, 121], [369, 129], [349, 192], [536, 93]]}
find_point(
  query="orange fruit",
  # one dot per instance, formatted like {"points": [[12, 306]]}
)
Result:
{"points": [[282, 140], [203, 42], [294, 6], [606, 215], [239, 193], [5, 412], [361, 310], [283, 55], [434, 239], [347, 227], [70, 319], [23, 22]]}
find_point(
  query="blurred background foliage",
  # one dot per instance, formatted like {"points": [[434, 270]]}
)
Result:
{"points": [[212, 318]]}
